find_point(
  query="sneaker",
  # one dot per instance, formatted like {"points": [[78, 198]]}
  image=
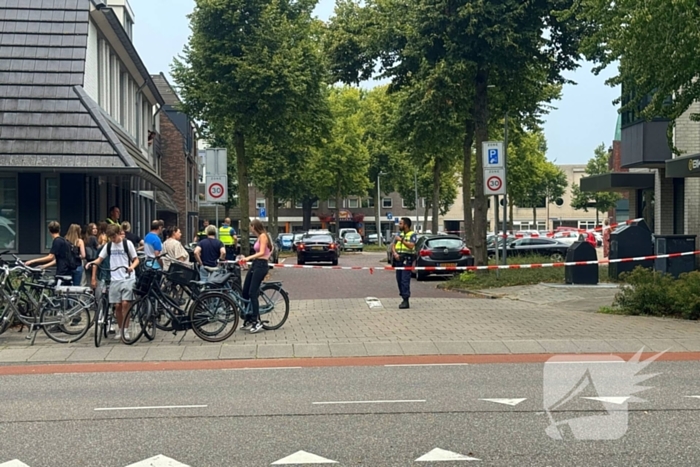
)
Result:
{"points": [[247, 326], [257, 327], [117, 335], [112, 329], [126, 334]]}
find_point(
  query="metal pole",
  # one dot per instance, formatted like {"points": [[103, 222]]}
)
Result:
{"points": [[379, 210], [217, 220], [415, 182], [495, 210], [505, 178]]}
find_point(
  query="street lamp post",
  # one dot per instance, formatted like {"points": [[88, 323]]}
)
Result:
{"points": [[415, 183], [505, 177], [379, 209]]}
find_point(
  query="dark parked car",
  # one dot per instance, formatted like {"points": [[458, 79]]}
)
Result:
{"points": [[441, 251], [318, 248], [554, 250], [275, 258]]}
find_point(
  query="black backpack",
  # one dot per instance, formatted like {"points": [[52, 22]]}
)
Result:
{"points": [[73, 259]]}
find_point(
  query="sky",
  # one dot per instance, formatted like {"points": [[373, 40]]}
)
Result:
{"points": [[584, 118]]}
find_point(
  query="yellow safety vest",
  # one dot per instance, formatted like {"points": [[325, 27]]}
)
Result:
{"points": [[403, 249], [225, 236], [110, 221]]}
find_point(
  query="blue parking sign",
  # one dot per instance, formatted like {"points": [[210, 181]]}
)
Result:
{"points": [[263, 212], [493, 156]]}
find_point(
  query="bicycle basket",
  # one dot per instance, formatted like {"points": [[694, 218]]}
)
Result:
{"points": [[145, 281], [180, 274]]}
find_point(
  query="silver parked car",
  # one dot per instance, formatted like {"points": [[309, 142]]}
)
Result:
{"points": [[351, 241]]}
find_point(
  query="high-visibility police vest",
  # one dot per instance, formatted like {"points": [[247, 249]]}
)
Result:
{"points": [[201, 235], [403, 249], [225, 236], [110, 221]]}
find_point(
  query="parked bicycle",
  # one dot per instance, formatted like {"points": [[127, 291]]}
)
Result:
{"points": [[211, 313], [62, 312]]}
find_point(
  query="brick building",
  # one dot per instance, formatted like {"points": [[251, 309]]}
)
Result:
{"points": [[179, 162]]}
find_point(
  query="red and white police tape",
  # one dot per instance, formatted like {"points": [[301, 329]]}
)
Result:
{"points": [[488, 267], [572, 230]]}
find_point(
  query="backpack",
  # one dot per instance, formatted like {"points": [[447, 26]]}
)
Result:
{"points": [[126, 249], [73, 259]]}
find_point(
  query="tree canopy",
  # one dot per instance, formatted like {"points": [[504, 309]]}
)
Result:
{"points": [[601, 201]]}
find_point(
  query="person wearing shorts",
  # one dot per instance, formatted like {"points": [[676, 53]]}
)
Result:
{"points": [[122, 254]]}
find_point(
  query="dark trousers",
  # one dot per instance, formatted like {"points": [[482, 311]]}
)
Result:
{"points": [[403, 277], [230, 252], [251, 286]]}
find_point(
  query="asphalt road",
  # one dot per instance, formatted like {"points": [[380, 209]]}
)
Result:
{"points": [[309, 284], [359, 416]]}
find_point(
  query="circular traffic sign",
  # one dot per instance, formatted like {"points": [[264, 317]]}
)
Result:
{"points": [[216, 190], [494, 183]]}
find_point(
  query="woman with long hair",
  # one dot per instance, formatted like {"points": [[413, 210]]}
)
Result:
{"points": [[102, 234], [73, 236], [257, 272]]}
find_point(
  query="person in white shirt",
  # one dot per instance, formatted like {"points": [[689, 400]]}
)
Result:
{"points": [[122, 254], [173, 248]]}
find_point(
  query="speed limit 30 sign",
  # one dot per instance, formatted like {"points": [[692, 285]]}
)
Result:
{"points": [[216, 189], [494, 182]]}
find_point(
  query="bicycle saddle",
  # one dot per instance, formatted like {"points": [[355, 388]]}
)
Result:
{"points": [[219, 279], [65, 278]]}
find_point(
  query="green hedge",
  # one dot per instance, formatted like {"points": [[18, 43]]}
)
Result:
{"points": [[652, 293]]}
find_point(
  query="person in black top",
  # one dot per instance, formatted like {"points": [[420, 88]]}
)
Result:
{"points": [[208, 252], [60, 249], [131, 236]]}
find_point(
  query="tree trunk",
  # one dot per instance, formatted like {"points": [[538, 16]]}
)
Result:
{"points": [[306, 206], [338, 200], [481, 121], [437, 167], [271, 203], [243, 198], [510, 215], [467, 180], [425, 214], [534, 216]]}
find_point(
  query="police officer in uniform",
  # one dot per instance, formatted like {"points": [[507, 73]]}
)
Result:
{"points": [[202, 234], [227, 235], [404, 251]]}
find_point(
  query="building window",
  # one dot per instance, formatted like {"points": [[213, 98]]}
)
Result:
{"points": [[387, 203], [403, 203], [51, 211], [128, 26], [331, 204], [8, 213], [260, 203], [353, 203], [300, 205], [586, 225]]}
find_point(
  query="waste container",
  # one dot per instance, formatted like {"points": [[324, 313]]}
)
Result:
{"points": [[668, 244], [588, 274], [629, 241]]}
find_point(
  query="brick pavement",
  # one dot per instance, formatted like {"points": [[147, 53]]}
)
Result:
{"points": [[329, 317]]}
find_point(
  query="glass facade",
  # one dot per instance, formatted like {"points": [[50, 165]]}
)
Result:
{"points": [[8, 213]]}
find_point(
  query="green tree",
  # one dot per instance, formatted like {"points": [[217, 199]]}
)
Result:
{"points": [[532, 179], [656, 46], [602, 201], [451, 52], [341, 164], [249, 68]]}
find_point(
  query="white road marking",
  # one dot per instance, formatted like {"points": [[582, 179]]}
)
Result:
{"points": [[373, 302], [303, 457], [612, 400], [437, 455], [427, 364], [158, 461], [283, 260], [511, 402], [407, 401], [14, 463], [696, 397], [153, 407]]}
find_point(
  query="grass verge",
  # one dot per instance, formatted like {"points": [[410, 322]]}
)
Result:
{"points": [[478, 280], [375, 248]]}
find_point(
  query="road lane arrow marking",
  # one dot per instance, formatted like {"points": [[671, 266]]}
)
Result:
{"points": [[303, 457], [511, 402], [612, 400], [437, 455], [159, 461], [14, 463], [696, 397]]}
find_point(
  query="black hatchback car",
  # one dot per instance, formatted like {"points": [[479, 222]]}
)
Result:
{"points": [[441, 251], [318, 248]]}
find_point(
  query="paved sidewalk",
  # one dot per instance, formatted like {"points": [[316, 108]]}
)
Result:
{"points": [[347, 327]]}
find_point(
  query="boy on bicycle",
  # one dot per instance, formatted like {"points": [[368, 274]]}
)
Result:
{"points": [[122, 262]]}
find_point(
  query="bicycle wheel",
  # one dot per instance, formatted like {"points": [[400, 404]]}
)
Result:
{"points": [[161, 318], [101, 320], [274, 306], [214, 316], [5, 317], [133, 325], [149, 323], [65, 319]]}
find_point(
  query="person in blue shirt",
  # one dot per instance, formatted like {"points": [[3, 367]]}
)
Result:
{"points": [[153, 246]]}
